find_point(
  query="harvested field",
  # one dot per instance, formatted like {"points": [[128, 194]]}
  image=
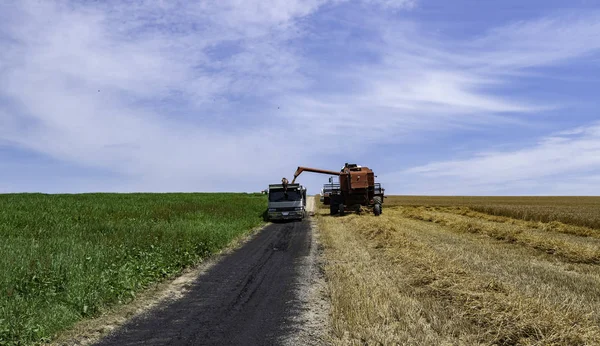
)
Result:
{"points": [[440, 273], [66, 257], [581, 211]]}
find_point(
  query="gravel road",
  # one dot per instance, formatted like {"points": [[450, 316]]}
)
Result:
{"points": [[255, 296]]}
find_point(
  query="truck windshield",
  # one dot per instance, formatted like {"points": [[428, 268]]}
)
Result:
{"points": [[279, 196]]}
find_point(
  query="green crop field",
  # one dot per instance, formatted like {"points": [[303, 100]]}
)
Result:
{"points": [[66, 257]]}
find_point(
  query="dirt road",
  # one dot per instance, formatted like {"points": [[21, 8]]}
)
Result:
{"points": [[251, 297]]}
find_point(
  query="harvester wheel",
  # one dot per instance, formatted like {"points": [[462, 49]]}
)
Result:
{"points": [[333, 209], [377, 209], [377, 201], [341, 210]]}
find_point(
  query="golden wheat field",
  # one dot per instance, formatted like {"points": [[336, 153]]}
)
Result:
{"points": [[465, 271], [582, 211]]}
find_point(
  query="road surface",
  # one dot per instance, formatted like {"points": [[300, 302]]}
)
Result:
{"points": [[249, 298]]}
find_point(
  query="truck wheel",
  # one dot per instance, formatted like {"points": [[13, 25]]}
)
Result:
{"points": [[341, 210], [377, 209]]}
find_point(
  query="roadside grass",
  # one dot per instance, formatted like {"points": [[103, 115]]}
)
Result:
{"points": [[399, 279], [580, 211], [67, 257]]}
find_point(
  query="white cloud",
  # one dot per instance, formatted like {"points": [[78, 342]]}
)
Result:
{"points": [[422, 84], [561, 163], [394, 4], [540, 42], [185, 95], [82, 88]]}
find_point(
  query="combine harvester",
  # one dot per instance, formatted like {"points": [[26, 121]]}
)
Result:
{"points": [[357, 190]]}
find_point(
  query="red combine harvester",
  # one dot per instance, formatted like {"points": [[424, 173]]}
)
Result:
{"points": [[356, 191]]}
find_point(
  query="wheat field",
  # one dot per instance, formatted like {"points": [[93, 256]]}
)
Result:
{"points": [[580, 210], [439, 271]]}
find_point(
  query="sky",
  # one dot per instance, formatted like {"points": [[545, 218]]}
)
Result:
{"points": [[438, 97]]}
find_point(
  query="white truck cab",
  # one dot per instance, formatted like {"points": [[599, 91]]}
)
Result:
{"points": [[287, 203]]}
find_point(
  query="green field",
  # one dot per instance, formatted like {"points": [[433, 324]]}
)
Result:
{"points": [[66, 257]]}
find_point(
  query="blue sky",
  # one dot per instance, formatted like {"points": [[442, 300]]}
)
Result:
{"points": [[438, 97]]}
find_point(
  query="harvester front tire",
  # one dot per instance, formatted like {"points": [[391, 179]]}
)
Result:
{"points": [[377, 209], [341, 210], [377, 200], [333, 209]]}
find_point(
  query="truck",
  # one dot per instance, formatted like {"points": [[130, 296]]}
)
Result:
{"points": [[286, 202]]}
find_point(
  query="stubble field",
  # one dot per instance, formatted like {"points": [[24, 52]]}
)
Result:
{"points": [[466, 271]]}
